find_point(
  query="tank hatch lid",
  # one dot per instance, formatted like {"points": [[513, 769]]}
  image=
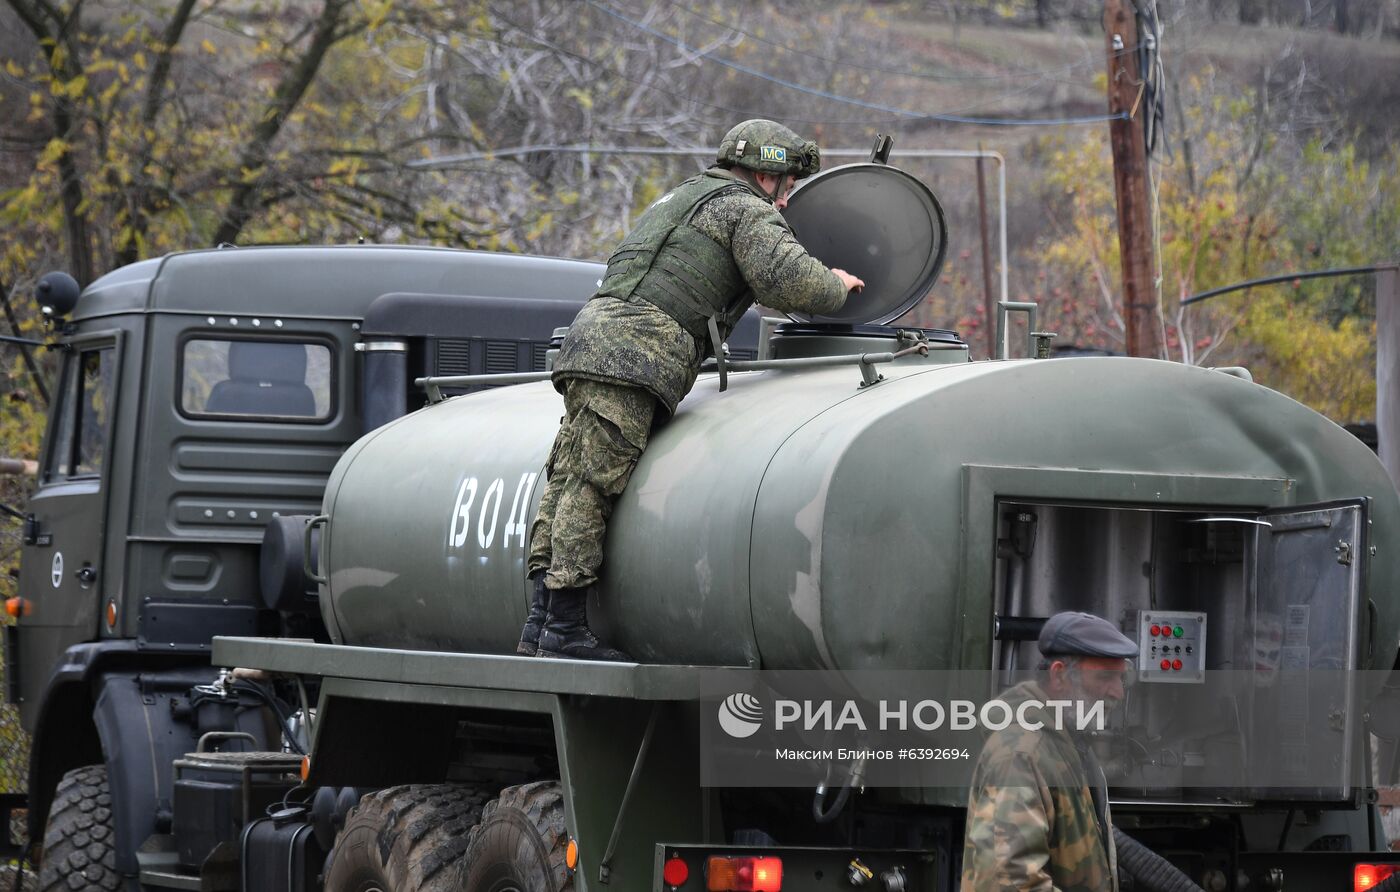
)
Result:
{"points": [[876, 222]]}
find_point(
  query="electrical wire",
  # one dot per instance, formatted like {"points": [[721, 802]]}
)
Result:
{"points": [[692, 100], [907, 114], [258, 691], [271, 700], [1289, 277], [684, 98], [1150, 71], [1041, 74]]}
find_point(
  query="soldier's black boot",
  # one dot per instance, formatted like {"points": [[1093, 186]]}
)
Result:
{"points": [[566, 632], [539, 603]]}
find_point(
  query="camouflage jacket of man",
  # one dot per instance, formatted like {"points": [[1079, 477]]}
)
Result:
{"points": [[1031, 821], [629, 340]]}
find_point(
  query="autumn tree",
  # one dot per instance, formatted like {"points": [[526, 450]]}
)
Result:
{"points": [[1226, 216]]}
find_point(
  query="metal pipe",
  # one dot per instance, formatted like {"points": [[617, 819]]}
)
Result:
{"points": [[988, 305], [27, 342], [605, 866], [1004, 309], [434, 385], [19, 466]]}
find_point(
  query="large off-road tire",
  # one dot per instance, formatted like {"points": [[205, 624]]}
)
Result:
{"points": [[519, 844], [405, 839], [79, 843]]}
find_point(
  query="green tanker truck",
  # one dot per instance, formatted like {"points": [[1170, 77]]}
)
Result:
{"points": [[277, 649]]}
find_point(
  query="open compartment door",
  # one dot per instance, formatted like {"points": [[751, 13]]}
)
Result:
{"points": [[1308, 580]]}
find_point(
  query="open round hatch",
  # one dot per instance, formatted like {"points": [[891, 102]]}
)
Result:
{"points": [[876, 222]]}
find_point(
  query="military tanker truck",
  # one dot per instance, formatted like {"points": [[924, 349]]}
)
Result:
{"points": [[854, 497], [204, 398]]}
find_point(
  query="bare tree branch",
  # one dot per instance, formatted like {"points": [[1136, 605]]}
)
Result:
{"points": [[255, 155]]}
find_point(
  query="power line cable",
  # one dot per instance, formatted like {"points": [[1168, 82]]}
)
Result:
{"points": [[907, 114], [685, 97], [1041, 74], [1287, 277], [689, 98]]}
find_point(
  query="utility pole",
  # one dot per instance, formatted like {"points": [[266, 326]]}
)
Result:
{"points": [[989, 303], [1141, 324], [1388, 368]]}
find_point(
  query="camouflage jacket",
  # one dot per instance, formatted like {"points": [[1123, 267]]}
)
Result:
{"points": [[631, 341], [1031, 822]]}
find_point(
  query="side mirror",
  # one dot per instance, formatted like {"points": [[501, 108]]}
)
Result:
{"points": [[57, 294]]}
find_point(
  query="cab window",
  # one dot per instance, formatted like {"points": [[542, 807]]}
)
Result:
{"points": [[80, 441], [274, 380]]}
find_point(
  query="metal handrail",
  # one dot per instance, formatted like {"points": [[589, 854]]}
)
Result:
{"points": [[865, 361]]}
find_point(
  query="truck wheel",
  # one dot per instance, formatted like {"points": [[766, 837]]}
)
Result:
{"points": [[79, 844], [405, 839], [519, 844]]}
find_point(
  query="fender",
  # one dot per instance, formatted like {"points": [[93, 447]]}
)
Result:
{"points": [[141, 736], [64, 736], [103, 706]]}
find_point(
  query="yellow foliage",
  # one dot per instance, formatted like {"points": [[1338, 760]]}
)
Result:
{"points": [[582, 97], [1331, 369], [1218, 226], [53, 150]]}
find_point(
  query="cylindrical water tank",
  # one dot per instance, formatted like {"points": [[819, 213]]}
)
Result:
{"points": [[799, 519]]}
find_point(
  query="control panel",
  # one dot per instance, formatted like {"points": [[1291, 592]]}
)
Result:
{"points": [[1171, 647]]}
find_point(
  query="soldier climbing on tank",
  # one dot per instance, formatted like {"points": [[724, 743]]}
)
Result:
{"points": [[695, 261]]}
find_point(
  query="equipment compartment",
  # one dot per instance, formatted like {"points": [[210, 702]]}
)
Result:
{"points": [[1267, 602]]}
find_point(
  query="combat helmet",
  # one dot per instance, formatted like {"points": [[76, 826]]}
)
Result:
{"points": [[765, 146]]}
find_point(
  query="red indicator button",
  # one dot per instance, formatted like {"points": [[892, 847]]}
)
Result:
{"points": [[1156, 630], [1176, 664], [676, 872], [1166, 664]]}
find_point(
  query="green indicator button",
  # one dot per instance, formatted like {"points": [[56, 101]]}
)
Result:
{"points": [[1177, 631]]}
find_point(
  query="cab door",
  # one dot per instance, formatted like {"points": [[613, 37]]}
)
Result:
{"points": [[61, 571]]}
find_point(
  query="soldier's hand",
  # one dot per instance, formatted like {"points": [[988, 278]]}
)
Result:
{"points": [[851, 282]]}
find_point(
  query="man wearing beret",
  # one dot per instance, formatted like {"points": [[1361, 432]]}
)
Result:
{"points": [[1037, 813]]}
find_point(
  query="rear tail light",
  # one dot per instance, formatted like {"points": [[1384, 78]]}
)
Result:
{"points": [[1368, 876], [744, 874]]}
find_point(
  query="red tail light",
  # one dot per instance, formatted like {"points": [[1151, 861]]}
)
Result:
{"points": [[1369, 876], [744, 875]]}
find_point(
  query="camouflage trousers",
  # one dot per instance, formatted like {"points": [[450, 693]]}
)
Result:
{"points": [[604, 432]]}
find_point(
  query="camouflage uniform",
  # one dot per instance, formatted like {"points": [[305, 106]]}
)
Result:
{"points": [[604, 431], [1031, 821], [625, 356]]}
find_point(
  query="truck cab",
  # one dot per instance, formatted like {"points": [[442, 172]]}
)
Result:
{"points": [[202, 397]]}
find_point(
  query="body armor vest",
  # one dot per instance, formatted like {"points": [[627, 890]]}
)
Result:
{"points": [[671, 265]]}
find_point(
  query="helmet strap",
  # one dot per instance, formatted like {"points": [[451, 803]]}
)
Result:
{"points": [[771, 196]]}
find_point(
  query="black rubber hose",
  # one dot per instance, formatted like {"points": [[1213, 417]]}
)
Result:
{"points": [[1148, 869], [825, 816], [271, 700]]}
